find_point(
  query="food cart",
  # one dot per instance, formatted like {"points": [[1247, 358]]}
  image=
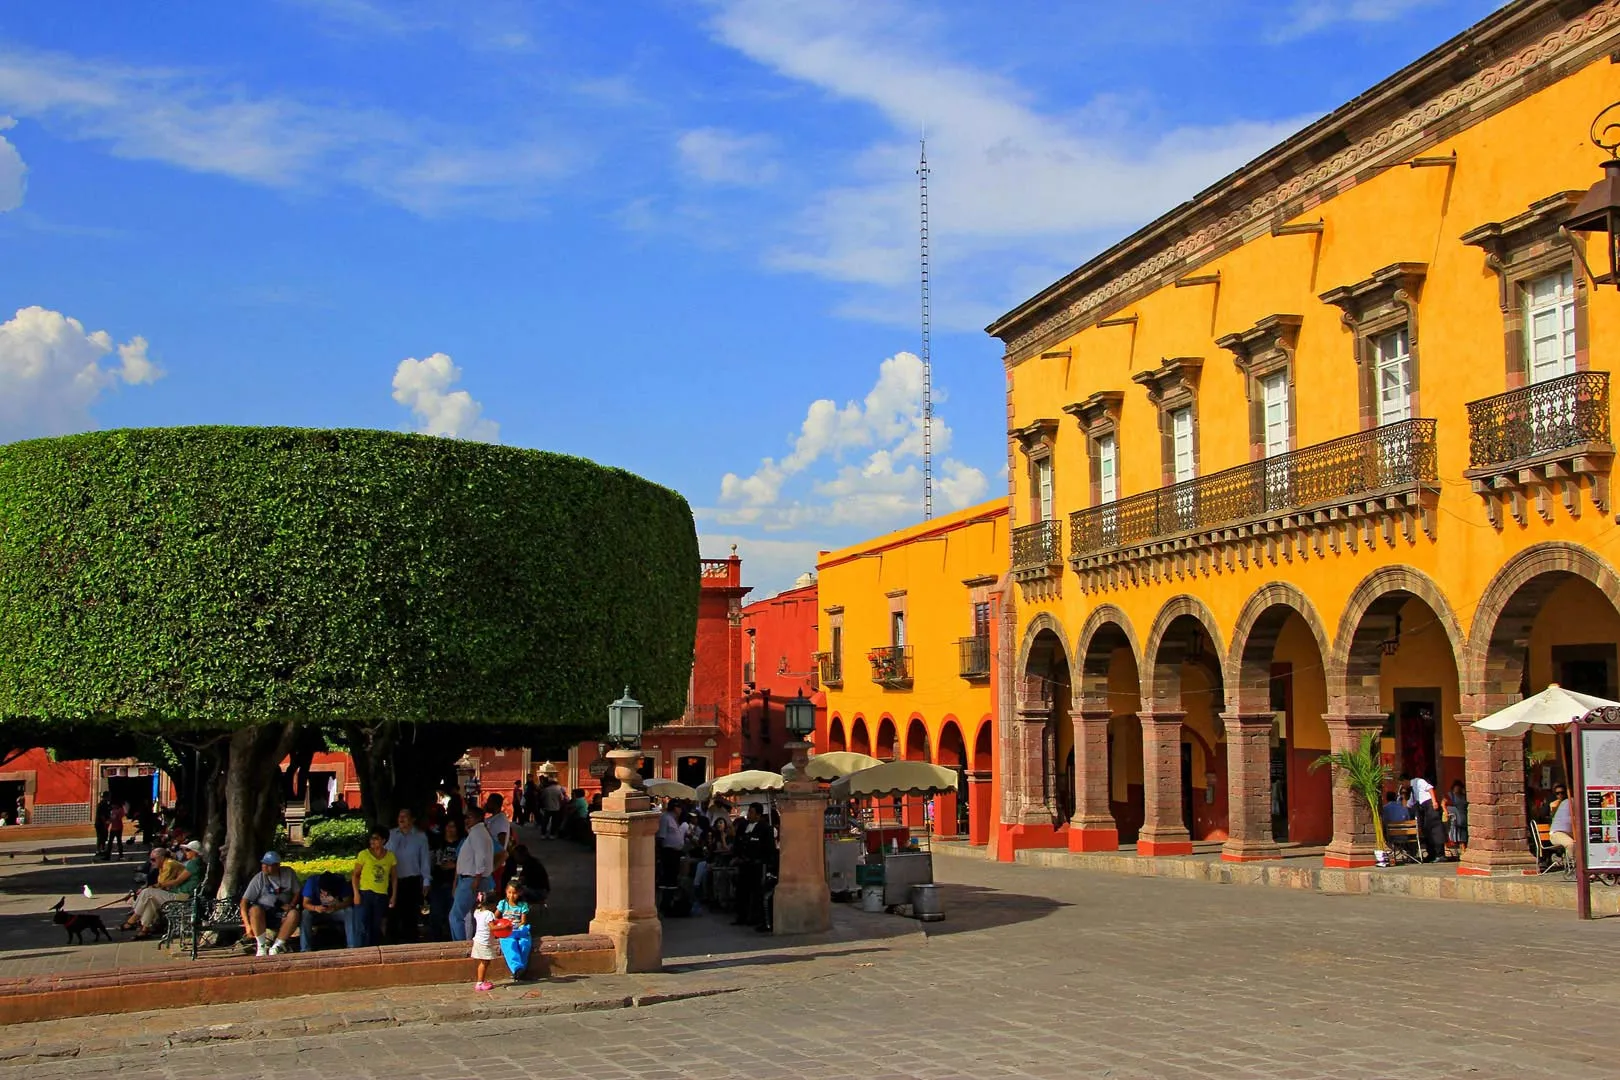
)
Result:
{"points": [[842, 847], [908, 864]]}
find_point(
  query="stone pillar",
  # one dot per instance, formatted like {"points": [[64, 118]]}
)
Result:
{"points": [[626, 893], [1163, 832], [1494, 767], [1354, 838], [1032, 805], [802, 904], [979, 807], [1248, 790], [1092, 828]]}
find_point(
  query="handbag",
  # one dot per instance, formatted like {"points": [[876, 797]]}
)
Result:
{"points": [[501, 928]]}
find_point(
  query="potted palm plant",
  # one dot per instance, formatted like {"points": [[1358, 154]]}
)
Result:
{"points": [[1364, 773]]}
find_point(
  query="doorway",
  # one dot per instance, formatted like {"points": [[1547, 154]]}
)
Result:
{"points": [[12, 793], [692, 769], [135, 792], [1417, 733]]}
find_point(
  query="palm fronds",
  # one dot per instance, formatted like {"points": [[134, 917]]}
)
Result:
{"points": [[1364, 772]]}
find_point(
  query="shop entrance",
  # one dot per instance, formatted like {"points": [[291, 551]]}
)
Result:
{"points": [[11, 797], [692, 770], [1417, 733]]}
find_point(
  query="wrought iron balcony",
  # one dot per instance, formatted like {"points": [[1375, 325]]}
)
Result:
{"points": [[891, 666], [1537, 420], [974, 653], [832, 669], [1359, 466], [1037, 550], [697, 716]]}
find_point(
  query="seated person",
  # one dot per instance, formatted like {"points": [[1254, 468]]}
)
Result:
{"points": [[536, 882], [1394, 810], [269, 906], [171, 874], [1562, 832], [327, 900]]}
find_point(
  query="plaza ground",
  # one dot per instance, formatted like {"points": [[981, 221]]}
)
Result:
{"points": [[1035, 972]]}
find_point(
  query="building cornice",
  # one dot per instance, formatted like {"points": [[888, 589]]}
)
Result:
{"points": [[1490, 66]]}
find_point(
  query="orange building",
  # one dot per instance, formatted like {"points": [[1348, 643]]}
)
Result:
{"points": [[1324, 450]]}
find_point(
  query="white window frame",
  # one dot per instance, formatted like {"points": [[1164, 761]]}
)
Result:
{"points": [[1557, 308], [1044, 500], [1274, 400], [1392, 376], [1107, 469]]}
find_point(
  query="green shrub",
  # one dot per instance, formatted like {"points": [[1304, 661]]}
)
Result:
{"points": [[337, 836], [306, 868], [166, 580]]}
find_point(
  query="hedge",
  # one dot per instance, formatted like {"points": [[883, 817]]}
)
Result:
{"points": [[209, 578], [337, 836]]}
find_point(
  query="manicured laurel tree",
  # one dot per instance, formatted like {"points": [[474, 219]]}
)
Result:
{"points": [[211, 578]]}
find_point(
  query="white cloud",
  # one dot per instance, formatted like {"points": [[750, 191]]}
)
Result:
{"points": [[13, 173], [423, 386], [716, 156], [486, 26], [1013, 184], [1306, 17], [885, 487], [195, 122], [52, 371]]}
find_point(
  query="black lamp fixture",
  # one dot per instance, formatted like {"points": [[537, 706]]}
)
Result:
{"points": [[800, 714], [624, 721], [1392, 644], [1599, 211]]}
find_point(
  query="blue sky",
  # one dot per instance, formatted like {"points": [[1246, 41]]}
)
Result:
{"points": [[678, 237]]}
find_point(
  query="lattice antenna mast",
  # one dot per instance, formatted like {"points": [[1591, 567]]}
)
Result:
{"points": [[927, 360]]}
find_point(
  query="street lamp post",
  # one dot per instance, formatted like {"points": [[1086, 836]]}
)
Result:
{"points": [[801, 904], [625, 827]]}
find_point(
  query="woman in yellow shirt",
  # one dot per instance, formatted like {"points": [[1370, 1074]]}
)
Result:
{"points": [[376, 884]]}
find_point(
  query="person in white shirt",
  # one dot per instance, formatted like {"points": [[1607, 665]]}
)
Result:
{"points": [[410, 846], [475, 871], [671, 842], [1562, 832], [1430, 821], [500, 828]]}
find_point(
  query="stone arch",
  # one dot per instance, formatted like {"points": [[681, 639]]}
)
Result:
{"points": [[983, 750], [916, 745], [836, 739], [885, 745], [1507, 610], [1353, 664], [860, 739], [1042, 623], [1106, 630], [1165, 654], [1254, 643]]}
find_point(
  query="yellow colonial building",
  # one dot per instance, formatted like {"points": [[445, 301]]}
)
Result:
{"points": [[906, 631], [1325, 449]]}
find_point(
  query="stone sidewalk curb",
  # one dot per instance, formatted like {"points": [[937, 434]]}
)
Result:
{"points": [[37, 1053]]}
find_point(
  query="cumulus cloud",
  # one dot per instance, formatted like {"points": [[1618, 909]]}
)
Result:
{"points": [[885, 431], [716, 156], [1306, 17], [13, 173], [423, 386], [52, 371]]}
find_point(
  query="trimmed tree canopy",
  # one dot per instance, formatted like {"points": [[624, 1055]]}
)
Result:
{"points": [[208, 578]]}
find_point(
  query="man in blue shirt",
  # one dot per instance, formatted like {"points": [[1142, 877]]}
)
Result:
{"points": [[326, 899], [1394, 810], [410, 846]]}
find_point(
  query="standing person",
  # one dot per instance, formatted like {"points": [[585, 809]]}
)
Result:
{"points": [[754, 847], [1457, 817], [500, 828], [475, 871], [483, 938], [410, 846], [376, 887], [671, 842], [115, 828], [551, 804], [442, 890], [103, 816], [1430, 822]]}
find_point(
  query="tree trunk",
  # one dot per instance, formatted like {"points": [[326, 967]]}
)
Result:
{"points": [[401, 768], [252, 798]]}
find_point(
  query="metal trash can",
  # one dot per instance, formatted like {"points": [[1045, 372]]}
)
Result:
{"points": [[926, 904], [872, 898]]}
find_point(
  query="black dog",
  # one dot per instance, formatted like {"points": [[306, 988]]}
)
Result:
{"points": [[77, 922]]}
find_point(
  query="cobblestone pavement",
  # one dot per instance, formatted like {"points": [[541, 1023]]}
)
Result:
{"points": [[1046, 973]]}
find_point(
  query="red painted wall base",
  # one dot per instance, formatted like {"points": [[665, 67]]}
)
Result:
{"points": [[1228, 856], [1153, 849], [1352, 862], [1015, 837], [1093, 839]]}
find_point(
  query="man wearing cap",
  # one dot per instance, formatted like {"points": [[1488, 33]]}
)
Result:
{"points": [[171, 874], [270, 906]]}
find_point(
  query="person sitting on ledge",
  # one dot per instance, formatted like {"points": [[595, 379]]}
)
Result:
{"points": [[327, 900], [269, 908], [171, 875]]}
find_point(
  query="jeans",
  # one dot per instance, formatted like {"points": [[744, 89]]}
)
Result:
{"points": [[466, 899], [372, 911], [309, 920]]}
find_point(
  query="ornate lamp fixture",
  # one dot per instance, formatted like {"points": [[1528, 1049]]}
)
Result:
{"points": [[800, 715], [624, 721], [1600, 210]]}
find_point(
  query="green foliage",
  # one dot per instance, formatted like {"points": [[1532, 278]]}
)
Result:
{"points": [[1363, 772], [337, 836], [336, 864], [165, 580]]}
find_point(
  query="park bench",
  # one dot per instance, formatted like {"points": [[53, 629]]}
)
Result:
{"points": [[216, 914]]}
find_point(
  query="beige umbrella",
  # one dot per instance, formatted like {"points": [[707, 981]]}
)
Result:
{"points": [[838, 763], [1552, 710], [895, 778], [741, 783], [665, 788]]}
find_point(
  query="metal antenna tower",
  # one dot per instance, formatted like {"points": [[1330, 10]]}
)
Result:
{"points": [[927, 361]]}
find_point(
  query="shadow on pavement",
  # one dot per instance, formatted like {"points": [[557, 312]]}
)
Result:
{"points": [[974, 907]]}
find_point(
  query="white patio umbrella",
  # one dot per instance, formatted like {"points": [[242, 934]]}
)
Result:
{"points": [[746, 783], [1552, 710], [665, 788]]}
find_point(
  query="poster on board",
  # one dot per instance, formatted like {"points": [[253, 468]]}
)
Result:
{"points": [[1600, 799]]}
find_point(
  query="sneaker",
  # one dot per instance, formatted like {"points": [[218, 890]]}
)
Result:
{"points": [[259, 949], [278, 948], [483, 986]]}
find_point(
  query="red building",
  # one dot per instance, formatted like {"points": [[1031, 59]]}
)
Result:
{"points": [[64, 793], [780, 639]]}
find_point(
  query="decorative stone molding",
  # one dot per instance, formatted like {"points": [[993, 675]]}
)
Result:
{"points": [[1381, 127], [1383, 302], [1098, 413], [1036, 437]]}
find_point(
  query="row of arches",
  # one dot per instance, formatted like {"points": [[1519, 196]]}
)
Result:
{"points": [[1191, 732], [968, 811]]}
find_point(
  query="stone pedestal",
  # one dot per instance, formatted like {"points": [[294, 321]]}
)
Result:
{"points": [[1354, 838], [1163, 832], [1494, 766], [626, 891], [1092, 828], [1248, 787], [802, 904]]}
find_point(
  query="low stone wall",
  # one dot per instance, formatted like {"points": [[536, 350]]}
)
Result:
{"points": [[228, 978]]}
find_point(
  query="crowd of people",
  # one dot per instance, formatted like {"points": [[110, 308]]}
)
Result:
{"points": [[714, 857], [1442, 819]]}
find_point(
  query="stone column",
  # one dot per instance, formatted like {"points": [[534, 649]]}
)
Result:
{"points": [[1353, 835], [1494, 767], [1163, 832], [626, 893], [802, 904], [979, 805], [945, 814], [1248, 790], [1031, 805], [1092, 828]]}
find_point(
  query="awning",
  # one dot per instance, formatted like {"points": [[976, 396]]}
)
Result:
{"points": [[1552, 710], [838, 763], [895, 778], [740, 783], [665, 788]]}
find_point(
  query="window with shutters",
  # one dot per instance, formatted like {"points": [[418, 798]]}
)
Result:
{"points": [[1549, 325], [1381, 314], [1392, 373], [1043, 490], [1275, 429]]}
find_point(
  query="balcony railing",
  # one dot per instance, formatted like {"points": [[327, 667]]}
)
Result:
{"points": [[891, 665], [1393, 456], [702, 716], [974, 657], [1038, 547], [832, 670], [1541, 419]]}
